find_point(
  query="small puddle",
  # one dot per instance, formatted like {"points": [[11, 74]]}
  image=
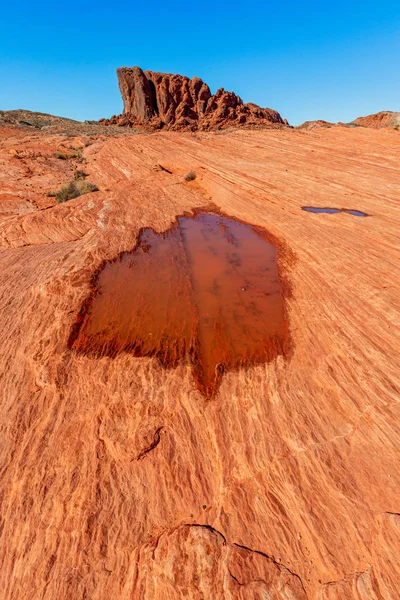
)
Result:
{"points": [[207, 292], [315, 209]]}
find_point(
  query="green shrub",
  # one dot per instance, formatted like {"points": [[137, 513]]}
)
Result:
{"points": [[75, 189], [190, 176]]}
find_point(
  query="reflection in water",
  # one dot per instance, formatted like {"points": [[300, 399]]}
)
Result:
{"points": [[207, 291], [315, 209]]}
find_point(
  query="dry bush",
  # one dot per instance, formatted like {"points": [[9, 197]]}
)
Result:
{"points": [[75, 189], [62, 155], [79, 174]]}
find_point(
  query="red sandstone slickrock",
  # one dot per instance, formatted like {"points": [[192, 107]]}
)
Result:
{"points": [[119, 479], [161, 100]]}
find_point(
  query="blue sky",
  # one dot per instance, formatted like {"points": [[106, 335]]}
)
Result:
{"points": [[304, 59]]}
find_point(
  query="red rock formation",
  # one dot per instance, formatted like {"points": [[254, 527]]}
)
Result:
{"points": [[315, 124], [381, 120], [386, 118], [156, 100]]}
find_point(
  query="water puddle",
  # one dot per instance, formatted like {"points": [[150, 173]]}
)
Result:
{"points": [[206, 292], [315, 209]]}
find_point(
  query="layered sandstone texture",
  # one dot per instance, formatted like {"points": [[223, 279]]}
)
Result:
{"points": [[119, 478], [161, 100]]}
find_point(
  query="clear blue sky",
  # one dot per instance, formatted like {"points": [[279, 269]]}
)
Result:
{"points": [[307, 59]]}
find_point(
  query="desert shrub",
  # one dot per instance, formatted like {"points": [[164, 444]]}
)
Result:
{"points": [[75, 189], [79, 174], [62, 155], [77, 153], [190, 176]]}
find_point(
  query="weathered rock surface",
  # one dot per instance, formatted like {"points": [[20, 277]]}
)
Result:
{"points": [[161, 100], [30, 169], [119, 480]]}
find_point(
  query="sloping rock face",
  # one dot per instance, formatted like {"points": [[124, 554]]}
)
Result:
{"points": [[156, 100], [119, 479]]}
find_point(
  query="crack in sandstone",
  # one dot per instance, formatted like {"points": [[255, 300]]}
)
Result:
{"points": [[209, 528], [281, 567], [347, 578], [243, 584], [154, 444], [164, 169]]}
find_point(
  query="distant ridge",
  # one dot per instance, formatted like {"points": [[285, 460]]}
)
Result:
{"points": [[385, 119]]}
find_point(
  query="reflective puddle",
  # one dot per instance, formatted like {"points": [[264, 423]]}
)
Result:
{"points": [[206, 292], [315, 209]]}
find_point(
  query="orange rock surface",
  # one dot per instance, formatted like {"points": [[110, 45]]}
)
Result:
{"points": [[119, 478]]}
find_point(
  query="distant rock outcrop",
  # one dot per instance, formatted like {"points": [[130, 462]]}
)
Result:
{"points": [[315, 124], [381, 120], [157, 100]]}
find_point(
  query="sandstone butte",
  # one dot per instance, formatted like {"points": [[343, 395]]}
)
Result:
{"points": [[119, 478], [160, 100]]}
